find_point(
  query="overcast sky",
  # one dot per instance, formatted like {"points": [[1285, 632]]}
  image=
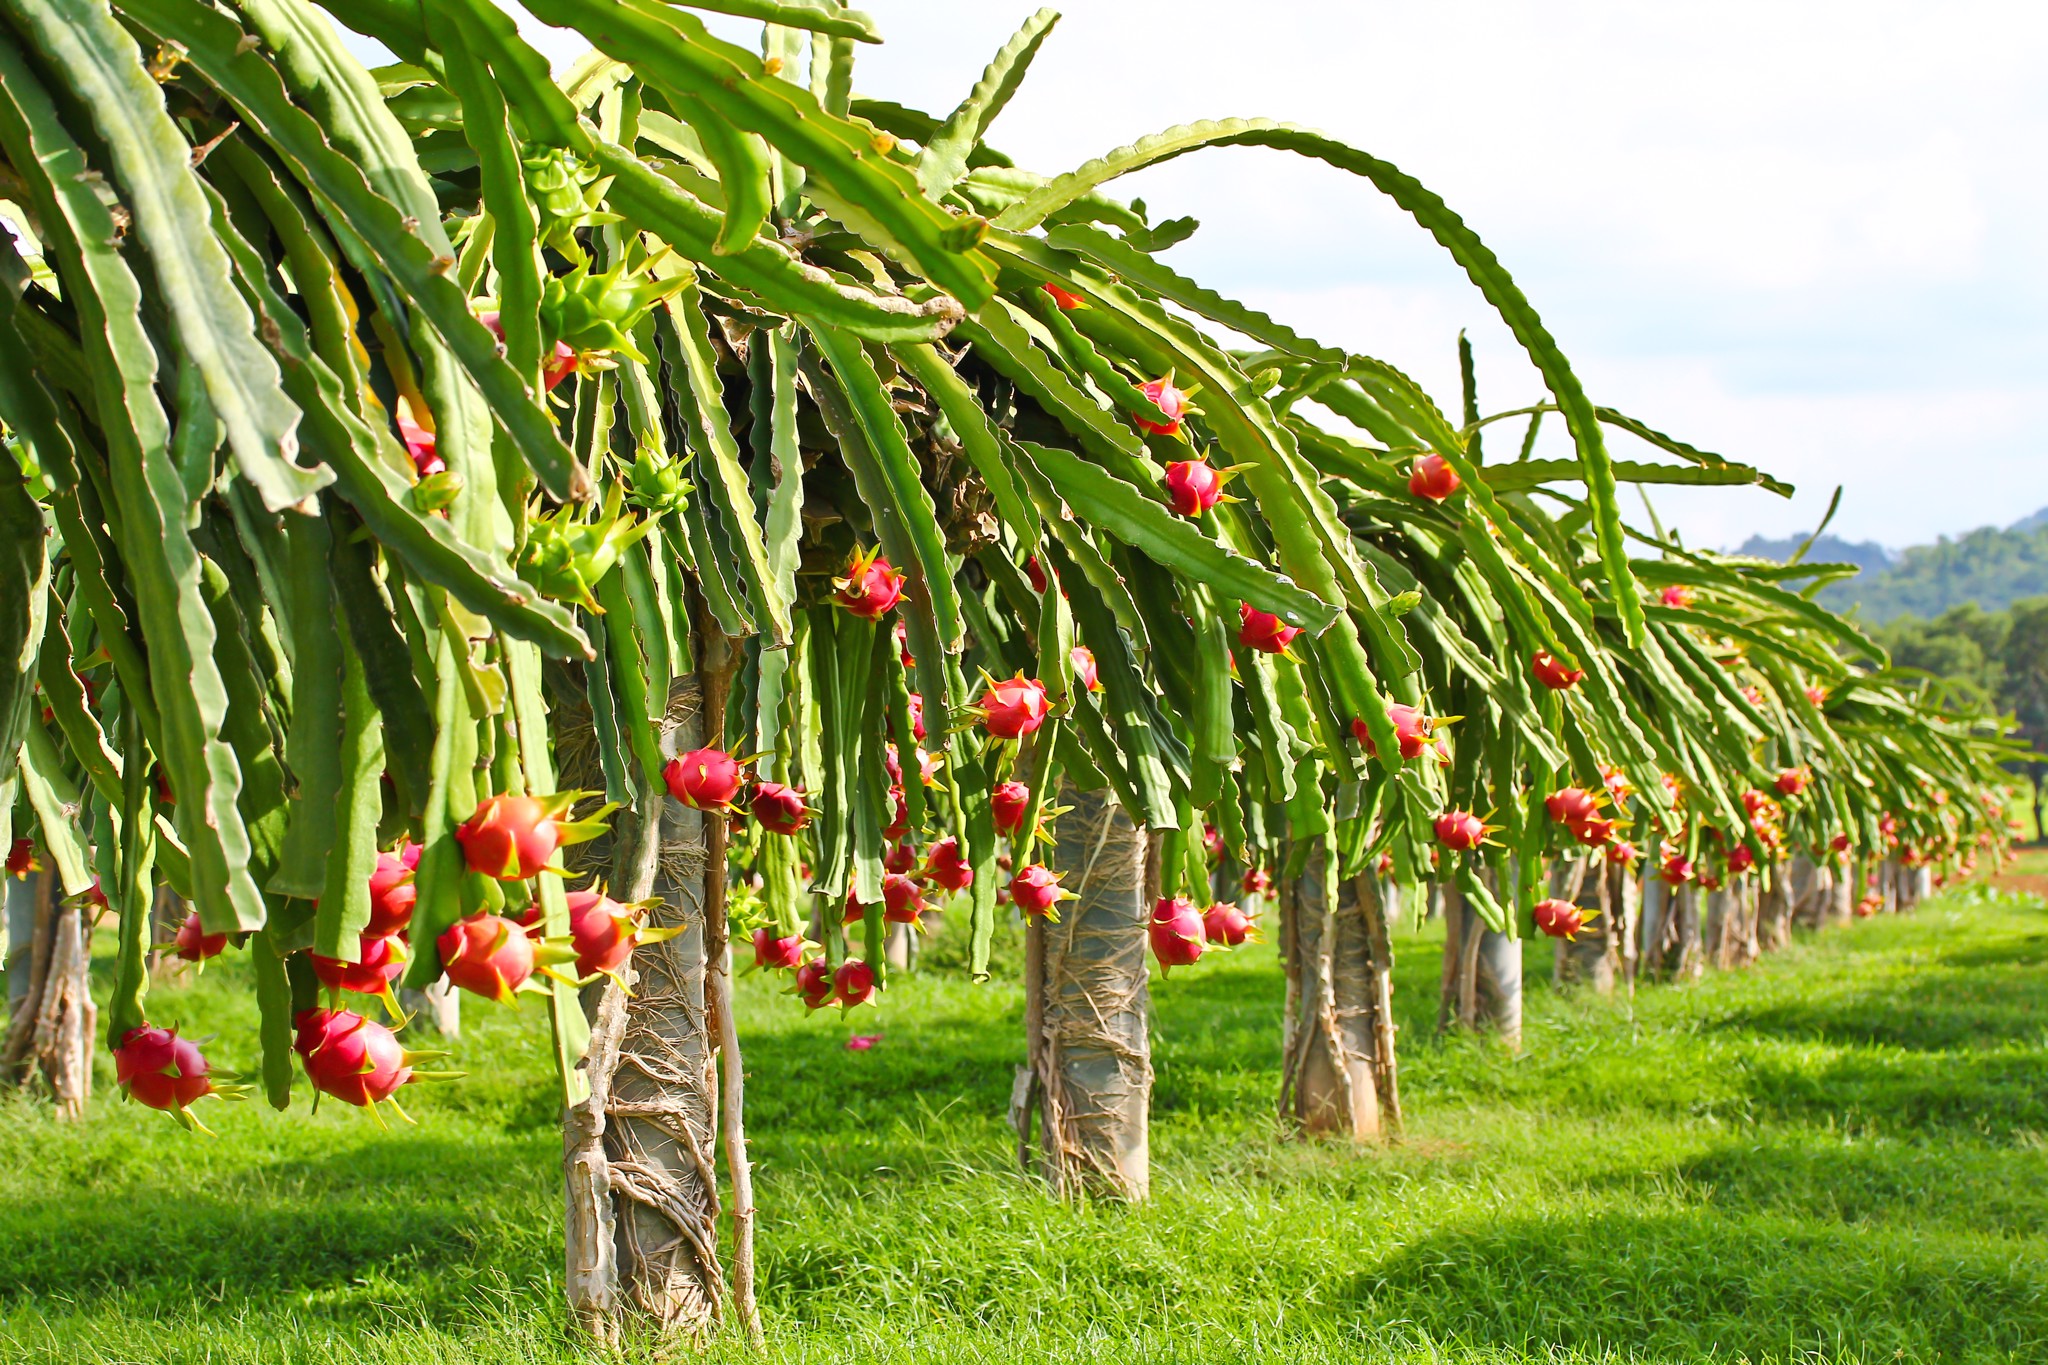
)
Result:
{"points": [[1806, 235]]}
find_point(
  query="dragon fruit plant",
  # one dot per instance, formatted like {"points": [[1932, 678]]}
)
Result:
{"points": [[469, 478]]}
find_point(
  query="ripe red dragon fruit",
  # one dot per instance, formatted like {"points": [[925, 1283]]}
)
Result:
{"points": [[779, 808], [1558, 918], [1460, 830], [704, 779], [1257, 882], [1262, 630], [487, 954], [902, 899], [1037, 891], [160, 1070], [1085, 672], [21, 858], [509, 837], [1411, 728], [1592, 833], [1570, 805], [420, 445], [1740, 860], [1065, 298], [1622, 853], [853, 984], [1172, 404], [1552, 673], [1676, 595], [1035, 571], [773, 953], [1433, 478], [813, 984], [944, 866], [872, 586], [1008, 802], [1193, 487], [1226, 925], [1013, 708], [1178, 935], [356, 1060], [194, 944], [1793, 781], [381, 962], [603, 932], [392, 893], [1676, 869]]}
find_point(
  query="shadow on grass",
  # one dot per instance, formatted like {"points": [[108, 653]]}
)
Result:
{"points": [[1993, 1094], [2019, 950], [1660, 1287], [1945, 1006], [1216, 1040], [1960, 1187], [942, 1062], [1216, 1030], [424, 1211]]}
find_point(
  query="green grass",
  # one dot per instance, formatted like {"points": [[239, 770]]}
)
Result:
{"points": [[1840, 1156]]}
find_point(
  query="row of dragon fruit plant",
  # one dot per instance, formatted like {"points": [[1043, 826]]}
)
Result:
{"points": [[474, 524]]}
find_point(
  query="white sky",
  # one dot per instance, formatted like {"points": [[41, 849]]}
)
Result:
{"points": [[1806, 235]]}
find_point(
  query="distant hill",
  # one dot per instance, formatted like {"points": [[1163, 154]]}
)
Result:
{"points": [[1827, 550], [1991, 567]]}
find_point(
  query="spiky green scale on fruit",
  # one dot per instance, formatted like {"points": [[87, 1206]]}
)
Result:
{"points": [[568, 551], [568, 195], [657, 486], [597, 314]]}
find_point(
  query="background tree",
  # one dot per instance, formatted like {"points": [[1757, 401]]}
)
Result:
{"points": [[2024, 687]]}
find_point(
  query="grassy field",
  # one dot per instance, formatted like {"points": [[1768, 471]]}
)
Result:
{"points": [[1840, 1156]]}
